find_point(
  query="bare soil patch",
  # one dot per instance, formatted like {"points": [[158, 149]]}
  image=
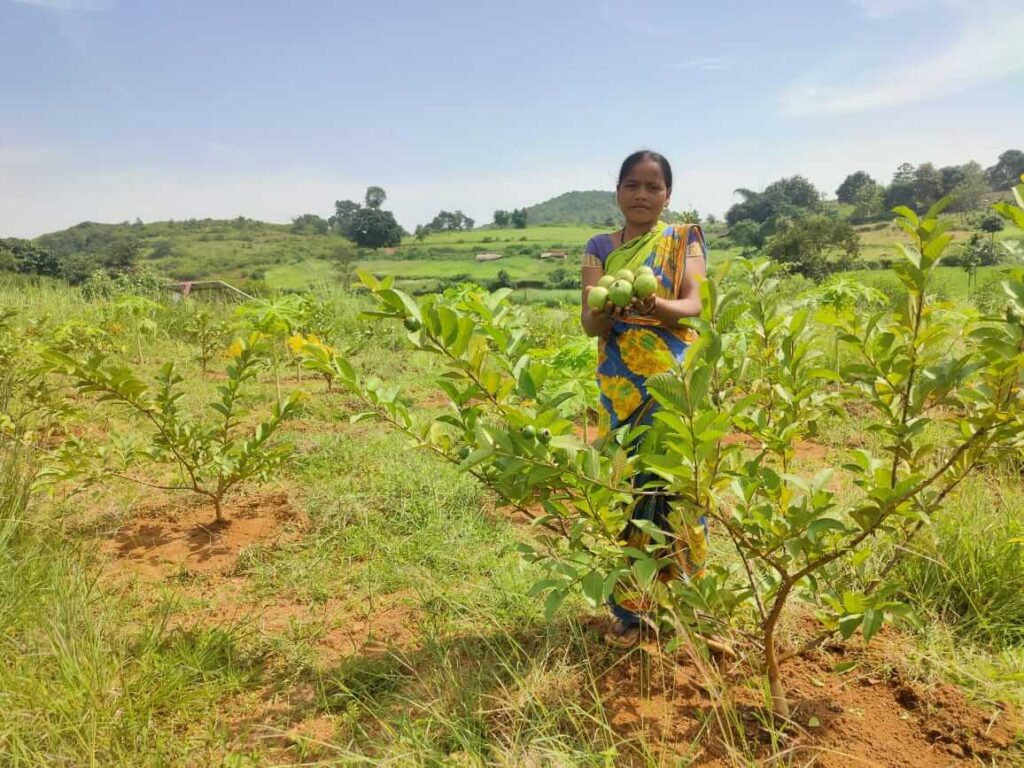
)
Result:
{"points": [[804, 450], [868, 718], [171, 535]]}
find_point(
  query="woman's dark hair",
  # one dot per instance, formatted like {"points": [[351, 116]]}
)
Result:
{"points": [[645, 154]]}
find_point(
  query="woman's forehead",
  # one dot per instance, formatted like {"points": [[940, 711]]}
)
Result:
{"points": [[645, 170]]}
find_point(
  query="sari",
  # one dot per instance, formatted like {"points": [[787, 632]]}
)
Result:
{"points": [[638, 347]]}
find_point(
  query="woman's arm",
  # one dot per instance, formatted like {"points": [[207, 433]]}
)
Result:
{"points": [[670, 311]]}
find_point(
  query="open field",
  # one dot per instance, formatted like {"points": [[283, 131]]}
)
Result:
{"points": [[272, 257], [367, 605]]}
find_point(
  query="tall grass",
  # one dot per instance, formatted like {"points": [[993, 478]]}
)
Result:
{"points": [[80, 684], [967, 569]]}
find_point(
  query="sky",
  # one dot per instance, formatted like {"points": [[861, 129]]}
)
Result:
{"points": [[112, 110]]}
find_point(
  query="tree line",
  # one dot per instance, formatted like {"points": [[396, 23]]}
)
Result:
{"points": [[790, 221]]}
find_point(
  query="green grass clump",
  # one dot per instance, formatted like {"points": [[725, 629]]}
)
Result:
{"points": [[85, 678], [967, 569]]}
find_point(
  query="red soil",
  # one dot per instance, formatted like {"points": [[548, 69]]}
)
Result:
{"points": [[170, 536], [870, 718]]}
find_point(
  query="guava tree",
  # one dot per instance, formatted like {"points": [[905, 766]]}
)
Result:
{"points": [[940, 397], [212, 451]]}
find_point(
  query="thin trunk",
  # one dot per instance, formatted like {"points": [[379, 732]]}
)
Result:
{"points": [[780, 704], [277, 374]]}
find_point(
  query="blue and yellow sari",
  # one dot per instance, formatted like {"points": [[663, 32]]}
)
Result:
{"points": [[638, 347]]}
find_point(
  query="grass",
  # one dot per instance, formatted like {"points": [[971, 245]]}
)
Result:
{"points": [[398, 626]]}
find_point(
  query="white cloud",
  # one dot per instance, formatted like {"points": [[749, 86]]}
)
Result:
{"points": [[988, 47], [70, 5], [706, 63]]}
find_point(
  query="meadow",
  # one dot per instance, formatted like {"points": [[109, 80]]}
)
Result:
{"points": [[364, 602]]}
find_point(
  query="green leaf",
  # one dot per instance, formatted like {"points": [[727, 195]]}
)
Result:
{"points": [[593, 588], [872, 623], [939, 206], [906, 213], [651, 530], [645, 570], [848, 624], [399, 300], [820, 526], [552, 604], [544, 585]]}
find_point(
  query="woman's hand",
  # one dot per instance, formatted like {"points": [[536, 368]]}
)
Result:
{"points": [[635, 307]]}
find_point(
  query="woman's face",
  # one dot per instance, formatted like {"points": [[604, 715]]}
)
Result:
{"points": [[642, 195]]}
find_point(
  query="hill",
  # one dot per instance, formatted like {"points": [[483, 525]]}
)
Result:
{"points": [[594, 208]]}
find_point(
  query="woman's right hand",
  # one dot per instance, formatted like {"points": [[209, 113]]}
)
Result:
{"points": [[612, 312]]}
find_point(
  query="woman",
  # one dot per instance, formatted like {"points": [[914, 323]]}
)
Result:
{"points": [[642, 339]]}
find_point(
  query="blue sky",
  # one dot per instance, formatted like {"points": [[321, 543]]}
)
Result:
{"points": [[117, 109]]}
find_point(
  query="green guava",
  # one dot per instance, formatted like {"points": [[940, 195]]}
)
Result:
{"points": [[620, 293], [597, 298], [645, 285]]}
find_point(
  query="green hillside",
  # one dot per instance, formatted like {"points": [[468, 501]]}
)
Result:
{"points": [[591, 208]]}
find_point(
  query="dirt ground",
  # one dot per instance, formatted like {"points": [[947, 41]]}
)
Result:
{"points": [[869, 716]]}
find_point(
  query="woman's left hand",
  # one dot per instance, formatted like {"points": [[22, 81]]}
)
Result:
{"points": [[644, 306]]}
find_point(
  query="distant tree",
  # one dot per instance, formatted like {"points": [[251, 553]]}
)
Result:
{"points": [[341, 221], [900, 193], [421, 232], [344, 259], [1007, 171], [309, 224], [868, 202], [952, 176], [375, 197], [927, 185], [28, 258], [688, 217], [852, 184], [905, 174], [504, 280], [992, 223], [979, 252], [162, 249], [711, 219], [501, 218], [450, 221], [814, 246], [786, 198], [970, 187], [121, 255], [747, 233], [374, 228], [518, 218]]}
